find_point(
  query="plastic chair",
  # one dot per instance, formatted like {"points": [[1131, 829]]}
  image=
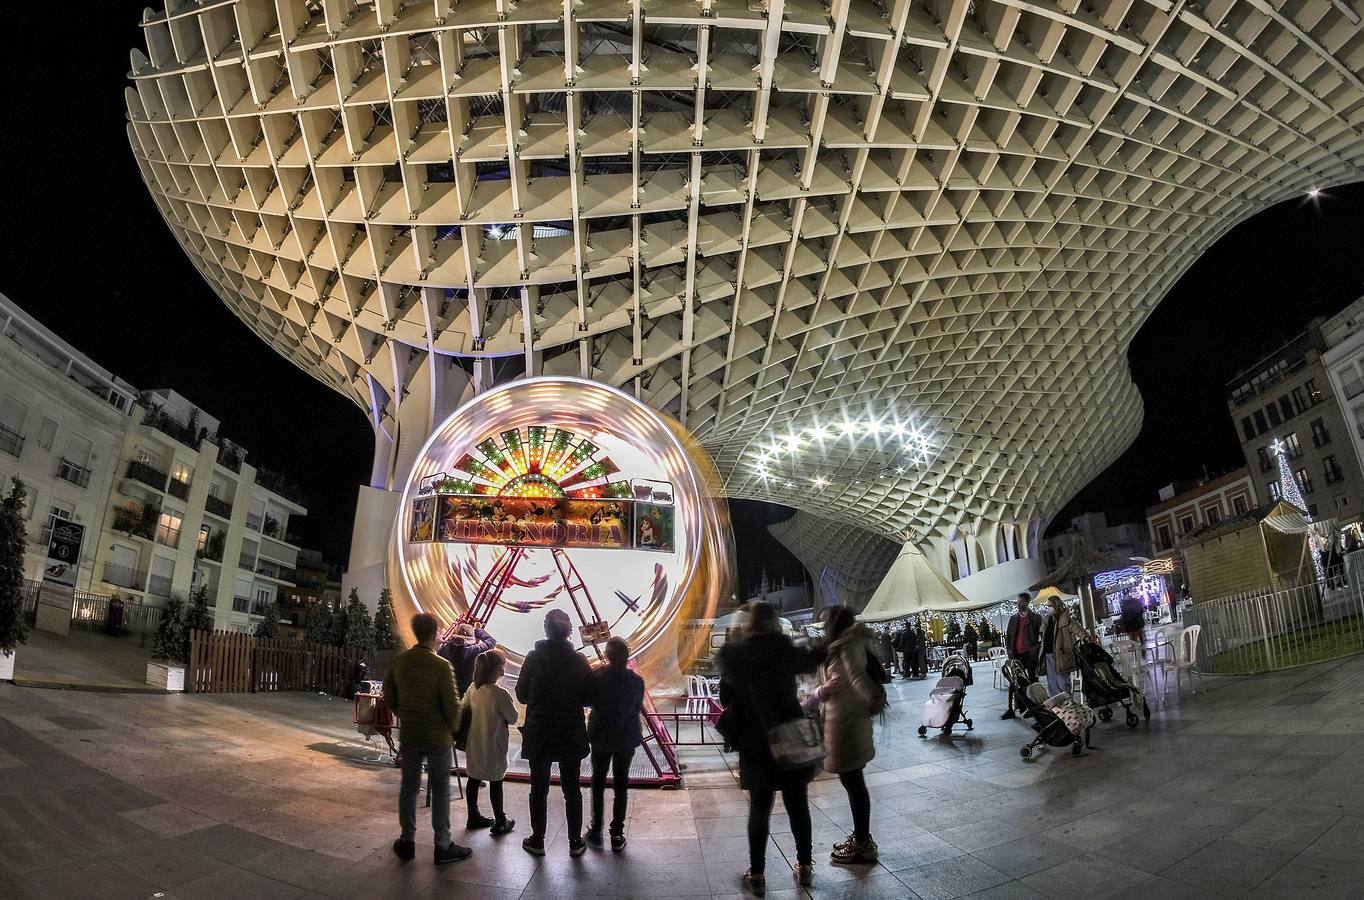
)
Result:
{"points": [[995, 657], [1185, 647], [699, 695]]}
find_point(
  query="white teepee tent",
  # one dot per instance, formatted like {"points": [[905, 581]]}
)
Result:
{"points": [[913, 586]]}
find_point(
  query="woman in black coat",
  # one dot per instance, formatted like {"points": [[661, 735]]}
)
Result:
{"points": [[617, 696], [553, 686], [758, 690]]}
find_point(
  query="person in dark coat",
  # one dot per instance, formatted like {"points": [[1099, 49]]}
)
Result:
{"points": [[613, 729], [468, 642], [901, 643], [553, 687], [971, 639], [758, 691], [915, 646], [1022, 641]]}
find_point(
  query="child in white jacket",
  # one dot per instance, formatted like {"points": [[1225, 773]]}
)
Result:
{"points": [[491, 712]]}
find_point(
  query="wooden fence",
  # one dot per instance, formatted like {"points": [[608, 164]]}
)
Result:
{"points": [[226, 662]]}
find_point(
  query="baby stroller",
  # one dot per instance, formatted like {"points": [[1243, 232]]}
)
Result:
{"points": [[1104, 686], [1059, 721], [944, 706]]}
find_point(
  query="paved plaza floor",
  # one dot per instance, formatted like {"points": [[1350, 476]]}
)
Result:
{"points": [[1250, 789]]}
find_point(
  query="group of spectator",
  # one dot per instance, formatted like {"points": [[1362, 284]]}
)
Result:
{"points": [[451, 693]]}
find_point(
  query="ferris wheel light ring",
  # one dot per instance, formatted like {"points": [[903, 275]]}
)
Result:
{"points": [[442, 577]]}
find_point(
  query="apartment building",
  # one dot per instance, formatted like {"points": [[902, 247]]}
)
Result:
{"points": [[188, 510], [1289, 396], [62, 421], [1184, 507], [1344, 362]]}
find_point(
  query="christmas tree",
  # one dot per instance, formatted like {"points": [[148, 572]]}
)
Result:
{"points": [[1290, 490], [13, 628], [356, 628], [321, 623], [384, 622], [172, 643], [268, 627], [198, 617]]}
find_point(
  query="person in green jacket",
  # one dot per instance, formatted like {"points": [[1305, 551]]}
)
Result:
{"points": [[420, 688]]}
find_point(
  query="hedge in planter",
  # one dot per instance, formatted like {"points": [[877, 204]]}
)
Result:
{"points": [[13, 628], [172, 638]]}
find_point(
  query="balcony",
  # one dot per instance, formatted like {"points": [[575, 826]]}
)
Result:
{"points": [[172, 428], [258, 608], [178, 488], [138, 521], [124, 577], [229, 459], [212, 549], [11, 441], [247, 561], [158, 585], [218, 507], [253, 521], [276, 483], [147, 474], [276, 571], [69, 471]]}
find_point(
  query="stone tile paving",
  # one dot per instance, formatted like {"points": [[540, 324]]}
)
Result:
{"points": [[1229, 794]]}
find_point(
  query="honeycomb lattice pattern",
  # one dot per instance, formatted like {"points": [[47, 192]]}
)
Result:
{"points": [[762, 217]]}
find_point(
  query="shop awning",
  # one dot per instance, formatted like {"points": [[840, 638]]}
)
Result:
{"points": [[912, 586]]}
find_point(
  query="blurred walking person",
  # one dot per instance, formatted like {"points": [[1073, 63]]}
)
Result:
{"points": [[849, 699], [420, 688], [491, 711], [553, 687], [613, 729], [758, 691]]}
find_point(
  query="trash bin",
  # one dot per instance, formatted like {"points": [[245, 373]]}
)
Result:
{"points": [[113, 622]]}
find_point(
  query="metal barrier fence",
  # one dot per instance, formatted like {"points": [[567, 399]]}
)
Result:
{"points": [[1265, 631], [90, 612]]}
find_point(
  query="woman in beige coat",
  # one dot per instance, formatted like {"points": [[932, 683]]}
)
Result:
{"points": [[848, 697]]}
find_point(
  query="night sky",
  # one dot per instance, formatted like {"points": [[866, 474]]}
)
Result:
{"points": [[89, 256]]}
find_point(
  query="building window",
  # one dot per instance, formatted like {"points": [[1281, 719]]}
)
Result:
{"points": [[1341, 501], [182, 473], [1186, 524], [1238, 504], [47, 433], [1292, 446], [1272, 491], [1304, 481], [1274, 418], [1266, 461], [1286, 408], [1313, 395], [1332, 470], [1299, 399], [1163, 536], [1260, 425], [168, 528], [1320, 435], [1213, 515], [57, 510], [1248, 428], [204, 532]]}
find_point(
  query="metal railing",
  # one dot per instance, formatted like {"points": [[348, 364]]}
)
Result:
{"points": [[172, 427], [124, 576], [218, 507], [178, 488], [76, 474], [241, 604], [1265, 631], [90, 612], [11, 441], [159, 585], [147, 474], [275, 570]]}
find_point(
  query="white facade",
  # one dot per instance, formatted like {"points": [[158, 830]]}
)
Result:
{"points": [[1181, 510], [62, 421], [187, 510], [1344, 362]]}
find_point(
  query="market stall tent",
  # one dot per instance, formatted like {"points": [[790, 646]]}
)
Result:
{"points": [[912, 586]]}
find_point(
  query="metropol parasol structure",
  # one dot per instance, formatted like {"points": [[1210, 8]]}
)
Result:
{"points": [[882, 258]]}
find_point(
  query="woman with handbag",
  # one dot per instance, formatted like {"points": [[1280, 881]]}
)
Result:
{"points": [[758, 691], [849, 699], [489, 711]]}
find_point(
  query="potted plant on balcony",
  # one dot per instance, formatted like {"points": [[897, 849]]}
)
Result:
{"points": [[13, 629], [170, 648]]}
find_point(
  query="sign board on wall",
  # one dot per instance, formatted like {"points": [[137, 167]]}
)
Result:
{"points": [[57, 595]]}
